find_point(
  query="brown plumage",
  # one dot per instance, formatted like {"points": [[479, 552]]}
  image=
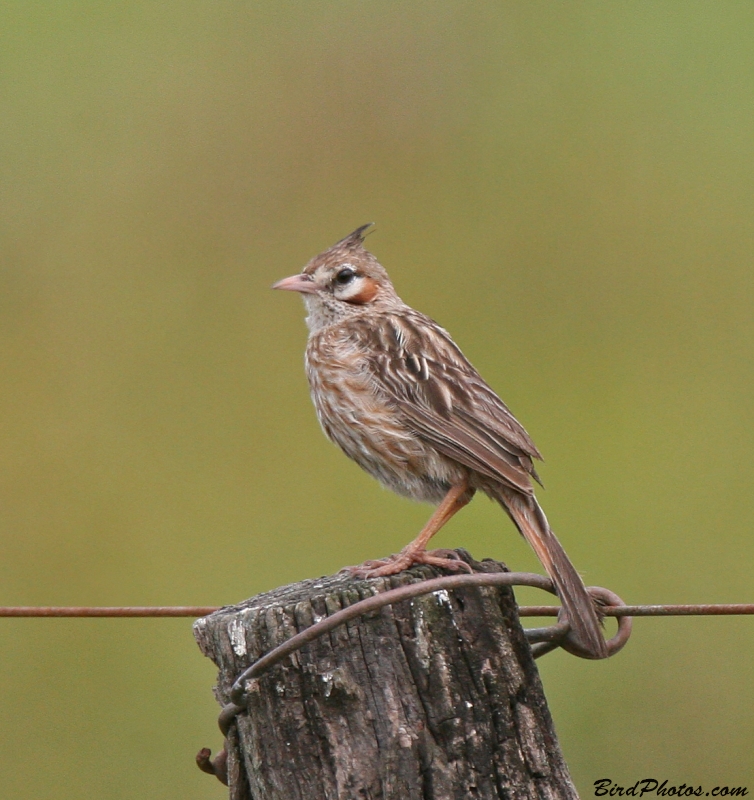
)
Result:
{"points": [[393, 390]]}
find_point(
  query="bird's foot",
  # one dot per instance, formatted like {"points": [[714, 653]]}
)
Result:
{"points": [[407, 558]]}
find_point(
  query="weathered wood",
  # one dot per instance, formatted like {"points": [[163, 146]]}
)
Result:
{"points": [[435, 698]]}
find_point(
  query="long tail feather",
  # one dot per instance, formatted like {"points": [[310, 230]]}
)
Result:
{"points": [[532, 523]]}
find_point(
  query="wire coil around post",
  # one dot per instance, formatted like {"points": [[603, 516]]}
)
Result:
{"points": [[542, 640]]}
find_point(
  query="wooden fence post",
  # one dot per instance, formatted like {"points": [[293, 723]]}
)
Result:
{"points": [[435, 698]]}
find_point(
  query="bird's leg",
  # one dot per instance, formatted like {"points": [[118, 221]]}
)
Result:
{"points": [[457, 497], [416, 552]]}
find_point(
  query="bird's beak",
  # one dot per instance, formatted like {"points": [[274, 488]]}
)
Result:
{"points": [[297, 283]]}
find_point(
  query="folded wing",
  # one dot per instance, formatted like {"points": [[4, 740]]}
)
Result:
{"points": [[415, 364]]}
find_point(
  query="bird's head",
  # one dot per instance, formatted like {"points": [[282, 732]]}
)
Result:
{"points": [[344, 280]]}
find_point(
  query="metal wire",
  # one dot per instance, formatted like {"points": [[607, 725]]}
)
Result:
{"points": [[709, 609], [107, 611], [542, 640]]}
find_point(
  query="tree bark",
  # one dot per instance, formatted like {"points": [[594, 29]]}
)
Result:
{"points": [[434, 698]]}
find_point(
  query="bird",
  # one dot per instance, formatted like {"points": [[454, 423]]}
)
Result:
{"points": [[396, 394]]}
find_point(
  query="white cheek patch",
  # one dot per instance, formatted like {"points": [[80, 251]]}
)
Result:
{"points": [[359, 291], [350, 290]]}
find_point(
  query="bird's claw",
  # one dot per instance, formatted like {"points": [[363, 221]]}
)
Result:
{"points": [[407, 558]]}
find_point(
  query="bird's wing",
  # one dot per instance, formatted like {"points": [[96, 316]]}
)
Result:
{"points": [[415, 364]]}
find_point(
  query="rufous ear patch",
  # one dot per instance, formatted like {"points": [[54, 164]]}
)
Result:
{"points": [[365, 291]]}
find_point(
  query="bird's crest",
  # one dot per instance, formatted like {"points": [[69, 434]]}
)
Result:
{"points": [[355, 239]]}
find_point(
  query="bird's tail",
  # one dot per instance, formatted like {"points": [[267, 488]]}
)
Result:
{"points": [[531, 521]]}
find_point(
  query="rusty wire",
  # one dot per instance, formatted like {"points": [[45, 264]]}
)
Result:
{"points": [[107, 611], [687, 610], [542, 640]]}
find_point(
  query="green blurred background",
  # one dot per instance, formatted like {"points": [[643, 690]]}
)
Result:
{"points": [[567, 187]]}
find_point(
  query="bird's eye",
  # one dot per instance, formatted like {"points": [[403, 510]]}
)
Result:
{"points": [[344, 276]]}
